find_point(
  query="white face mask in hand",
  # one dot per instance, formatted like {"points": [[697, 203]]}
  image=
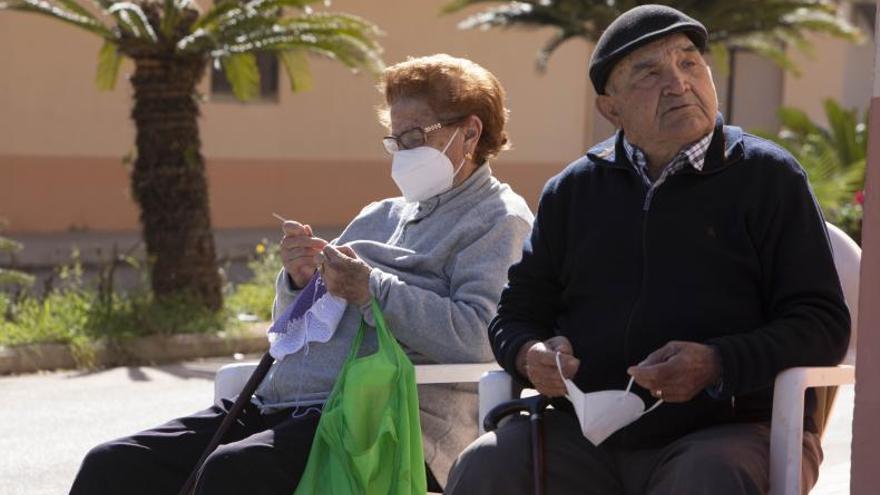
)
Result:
{"points": [[604, 412], [424, 172]]}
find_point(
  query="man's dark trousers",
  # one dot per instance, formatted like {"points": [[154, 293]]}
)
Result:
{"points": [[719, 460]]}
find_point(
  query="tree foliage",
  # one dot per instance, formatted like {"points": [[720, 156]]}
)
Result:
{"points": [[765, 27]]}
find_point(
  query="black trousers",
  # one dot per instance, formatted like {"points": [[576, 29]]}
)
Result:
{"points": [[261, 454], [728, 459]]}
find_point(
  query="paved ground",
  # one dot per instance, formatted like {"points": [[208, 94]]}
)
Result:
{"points": [[49, 421]]}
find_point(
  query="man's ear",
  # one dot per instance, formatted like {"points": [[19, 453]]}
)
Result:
{"points": [[606, 105]]}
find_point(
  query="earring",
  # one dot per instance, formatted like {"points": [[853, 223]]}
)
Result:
{"points": [[469, 155]]}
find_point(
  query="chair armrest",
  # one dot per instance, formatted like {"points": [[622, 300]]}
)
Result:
{"points": [[496, 387], [230, 379], [452, 373], [787, 427]]}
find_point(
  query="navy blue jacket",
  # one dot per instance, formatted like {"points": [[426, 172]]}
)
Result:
{"points": [[735, 255]]}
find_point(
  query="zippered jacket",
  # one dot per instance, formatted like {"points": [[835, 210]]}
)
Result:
{"points": [[735, 256]]}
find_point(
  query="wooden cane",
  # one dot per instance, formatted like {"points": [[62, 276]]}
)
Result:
{"points": [[536, 421], [249, 388]]}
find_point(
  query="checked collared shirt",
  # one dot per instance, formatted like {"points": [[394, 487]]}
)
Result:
{"points": [[693, 155]]}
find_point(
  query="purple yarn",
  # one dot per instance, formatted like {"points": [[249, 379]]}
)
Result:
{"points": [[310, 293]]}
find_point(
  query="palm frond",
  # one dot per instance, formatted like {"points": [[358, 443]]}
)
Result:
{"points": [[845, 133], [42, 7], [343, 37], [349, 50], [825, 23], [770, 22], [132, 17], [243, 74], [457, 5], [296, 65], [547, 50], [765, 45], [109, 61], [170, 16], [231, 9], [76, 8], [833, 158]]}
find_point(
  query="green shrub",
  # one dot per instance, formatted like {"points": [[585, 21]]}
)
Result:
{"points": [[78, 313], [255, 297], [833, 157]]}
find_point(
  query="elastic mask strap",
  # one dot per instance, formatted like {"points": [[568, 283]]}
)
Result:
{"points": [[458, 169], [629, 386], [448, 143], [655, 406], [460, 165], [559, 366]]}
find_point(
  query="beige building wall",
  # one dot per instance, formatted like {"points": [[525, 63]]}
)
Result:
{"points": [[836, 69], [315, 156]]}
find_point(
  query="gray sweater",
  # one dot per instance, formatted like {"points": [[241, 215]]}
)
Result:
{"points": [[438, 268]]}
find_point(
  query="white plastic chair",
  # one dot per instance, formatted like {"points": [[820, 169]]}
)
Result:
{"points": [[786, 431], [230, 379]]}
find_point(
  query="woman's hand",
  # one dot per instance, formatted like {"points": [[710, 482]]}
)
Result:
{"points": [[298, 250], [345, 275]]}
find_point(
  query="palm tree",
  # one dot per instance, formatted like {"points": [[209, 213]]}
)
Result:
{"points": [[764, 27], [833, 157], [171, 43]]}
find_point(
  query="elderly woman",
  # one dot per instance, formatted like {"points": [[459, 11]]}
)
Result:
{"points": [[435, 260]]}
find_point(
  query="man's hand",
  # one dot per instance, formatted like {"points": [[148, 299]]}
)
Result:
{"points": [[537, 361], [346, 275], [678, 371], [298, 250]]}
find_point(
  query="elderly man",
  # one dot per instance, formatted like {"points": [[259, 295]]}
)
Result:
{"points": [[681, 252]]}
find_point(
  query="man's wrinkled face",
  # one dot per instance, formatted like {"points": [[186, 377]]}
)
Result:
{"points": [[662, 95]]}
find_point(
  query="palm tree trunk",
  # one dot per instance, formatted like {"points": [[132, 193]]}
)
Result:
{"points": [[168, 180]]}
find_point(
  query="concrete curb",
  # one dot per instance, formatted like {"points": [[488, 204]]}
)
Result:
{"points": [[152, 349]]}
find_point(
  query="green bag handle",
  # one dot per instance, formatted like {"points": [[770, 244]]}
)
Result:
{"points": [[387, 342]]}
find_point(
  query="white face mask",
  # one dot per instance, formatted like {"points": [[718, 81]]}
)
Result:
{"points": [[606, 411], [424, 172]]}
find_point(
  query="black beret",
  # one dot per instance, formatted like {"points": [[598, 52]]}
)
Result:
{"points": [[635, 28]]}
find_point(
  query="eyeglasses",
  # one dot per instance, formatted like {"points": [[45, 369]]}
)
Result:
{"points": [[415, 137]]}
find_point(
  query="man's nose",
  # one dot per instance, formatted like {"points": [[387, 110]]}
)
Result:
{"points": [[675, 81]]}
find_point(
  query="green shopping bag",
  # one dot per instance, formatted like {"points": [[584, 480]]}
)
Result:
{"points": [[369, 440]]}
